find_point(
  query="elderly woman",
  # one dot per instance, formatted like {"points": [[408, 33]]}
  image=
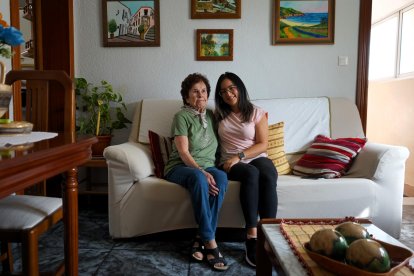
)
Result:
{"points": [[192, 165]]}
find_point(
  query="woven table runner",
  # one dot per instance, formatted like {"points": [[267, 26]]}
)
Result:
{"points": [[298, 233]]}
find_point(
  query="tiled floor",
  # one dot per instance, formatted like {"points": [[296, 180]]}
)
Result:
{"points": [[163, 254], [408, 200], [407, 229]]}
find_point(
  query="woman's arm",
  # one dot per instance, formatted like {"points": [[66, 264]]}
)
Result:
{"points": [[259, 147], [181, 143], [262, 133]]}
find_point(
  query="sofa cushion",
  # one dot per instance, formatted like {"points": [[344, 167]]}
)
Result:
{"points": [[276, 148], [328, 158], [161, 148], [304, 118], [157, 115]]}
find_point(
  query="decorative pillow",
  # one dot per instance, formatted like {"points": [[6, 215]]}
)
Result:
{"points": [[276, 148], [328, 158], [161, 148]]}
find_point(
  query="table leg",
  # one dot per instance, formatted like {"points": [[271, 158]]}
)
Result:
{"points": [[70, 219], [263, 264]]}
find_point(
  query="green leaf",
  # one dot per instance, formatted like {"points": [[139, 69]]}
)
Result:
{"points": [[111, 108]]}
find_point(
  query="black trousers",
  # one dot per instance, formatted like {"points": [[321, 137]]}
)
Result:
{"points": [[258, 189]]}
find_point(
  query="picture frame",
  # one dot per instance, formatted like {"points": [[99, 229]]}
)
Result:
{"points": [[303, 22], [214, 44], [215, 9], [131, 23]]}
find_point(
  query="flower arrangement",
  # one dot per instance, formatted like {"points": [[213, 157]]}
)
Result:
{"points": [[9, 36]]}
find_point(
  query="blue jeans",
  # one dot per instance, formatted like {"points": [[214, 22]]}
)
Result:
{"points": [[205, 206]]}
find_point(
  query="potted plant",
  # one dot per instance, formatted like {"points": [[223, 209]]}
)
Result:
{"points": [[100, 110], [112, 27], [141, 30]]}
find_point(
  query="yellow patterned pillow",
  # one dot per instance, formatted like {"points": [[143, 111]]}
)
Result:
{"points": [[276, 148]]}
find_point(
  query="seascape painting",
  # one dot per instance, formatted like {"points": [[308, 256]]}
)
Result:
{"points": [[304, 21], [131, 23]]}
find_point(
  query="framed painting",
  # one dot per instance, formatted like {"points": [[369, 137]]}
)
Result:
{"points": [[215, 9], [215, 44], [303, 21], [131, 23]]}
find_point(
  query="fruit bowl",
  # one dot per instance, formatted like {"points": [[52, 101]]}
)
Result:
{"points": [[399, 257], [16, 127]]}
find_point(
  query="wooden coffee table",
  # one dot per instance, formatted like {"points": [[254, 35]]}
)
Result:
{"points": [[273, 251]]}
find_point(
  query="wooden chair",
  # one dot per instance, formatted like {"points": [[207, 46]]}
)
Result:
{"points": [[6, 257], [23, 218]]}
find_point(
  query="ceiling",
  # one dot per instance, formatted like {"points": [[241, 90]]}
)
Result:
{"points": [[384, 8]]}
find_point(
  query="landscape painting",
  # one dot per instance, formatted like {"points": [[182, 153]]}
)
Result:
{"points": [[130, 23], [215, 9], [214, 44], [303, 21]]}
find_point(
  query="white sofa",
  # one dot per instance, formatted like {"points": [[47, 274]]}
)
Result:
{"points": [[140, 203]]}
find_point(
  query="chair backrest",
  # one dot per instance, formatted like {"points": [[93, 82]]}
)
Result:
{"points": [[38, 109]]}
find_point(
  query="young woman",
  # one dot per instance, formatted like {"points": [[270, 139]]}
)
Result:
{"points": [[243, 135], [192, 165]]}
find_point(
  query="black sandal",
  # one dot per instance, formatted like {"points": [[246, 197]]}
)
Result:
{"points": [[197, 249], [216, 260]]}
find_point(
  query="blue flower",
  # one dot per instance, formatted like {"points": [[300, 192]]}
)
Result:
{"points": [[10, 36]]}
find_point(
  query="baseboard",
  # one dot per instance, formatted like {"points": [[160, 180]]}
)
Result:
{"points": [[408, 190]]}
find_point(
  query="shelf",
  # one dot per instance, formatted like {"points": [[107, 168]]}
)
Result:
{"points": [[87, 186], [28, 11], [95, 189]]}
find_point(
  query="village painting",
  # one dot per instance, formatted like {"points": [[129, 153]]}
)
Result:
{"points": [[131, 23], [215, 9], [305, 20], [213, 6]]}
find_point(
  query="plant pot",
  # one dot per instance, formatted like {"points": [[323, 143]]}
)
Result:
{"points": [[103, 142]]}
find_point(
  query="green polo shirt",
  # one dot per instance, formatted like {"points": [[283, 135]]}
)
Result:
{"points": [[202, 142]]}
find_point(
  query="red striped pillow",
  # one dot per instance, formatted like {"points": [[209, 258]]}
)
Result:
{"points": [[161, 148], [328, 158]]}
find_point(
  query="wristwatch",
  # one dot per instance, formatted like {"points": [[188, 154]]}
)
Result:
{"points": [[241, 155]]}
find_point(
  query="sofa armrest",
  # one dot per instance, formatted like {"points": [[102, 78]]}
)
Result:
{"points": [[133, 158], [379, 161], [384, 165]]}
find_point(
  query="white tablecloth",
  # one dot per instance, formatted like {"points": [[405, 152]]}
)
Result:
{"points": [[8, 140]]}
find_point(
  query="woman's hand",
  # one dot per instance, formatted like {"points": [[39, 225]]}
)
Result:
{"points": [[230, 162], [212, 186], [181, 143]]}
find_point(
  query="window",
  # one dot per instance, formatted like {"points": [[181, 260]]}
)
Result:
{"points": [[392, 41], [407, 42], [383, 49]]}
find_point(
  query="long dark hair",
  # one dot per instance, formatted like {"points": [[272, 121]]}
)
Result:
{"points": [[222, 110]]}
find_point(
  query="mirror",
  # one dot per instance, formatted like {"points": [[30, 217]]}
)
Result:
{"points": [[26, 27]]}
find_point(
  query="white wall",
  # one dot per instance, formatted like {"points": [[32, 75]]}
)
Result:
{"points": [[268, 71]]}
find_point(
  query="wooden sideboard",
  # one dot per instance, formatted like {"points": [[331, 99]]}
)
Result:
{"points": [[63, 154]]}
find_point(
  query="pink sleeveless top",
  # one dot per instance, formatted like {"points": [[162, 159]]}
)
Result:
{"points": [[236, 136]]}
